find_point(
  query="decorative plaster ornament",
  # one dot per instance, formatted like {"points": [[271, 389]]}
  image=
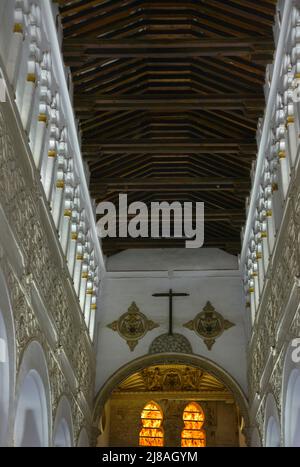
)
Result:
{"points": [[166, 343], [179, 379], [132, 326], [209, 324]]}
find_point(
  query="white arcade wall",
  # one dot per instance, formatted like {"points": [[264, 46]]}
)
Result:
{"points": [[205, 274]]}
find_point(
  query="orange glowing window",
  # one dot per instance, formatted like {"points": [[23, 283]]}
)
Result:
{"points": [[192, 434], [151, 433]]}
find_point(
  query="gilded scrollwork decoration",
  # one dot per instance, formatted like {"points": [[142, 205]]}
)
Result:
{"points": [[183, 379], [132, 326], [209, 325]]}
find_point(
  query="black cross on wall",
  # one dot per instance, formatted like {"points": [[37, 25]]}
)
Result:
{"points": [[170, 294]]}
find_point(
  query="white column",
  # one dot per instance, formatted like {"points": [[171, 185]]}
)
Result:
{"points": [[78, 265], [57, 197], [33, 66], [84, 273], [92, 321], [66, 214], [260, 262], [288, 106], [281, 148], [16, 44], [53, 144], [292, 97], [252, 300], [276, 196], [74, 235]]}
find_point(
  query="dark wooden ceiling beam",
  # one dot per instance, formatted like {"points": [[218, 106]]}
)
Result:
{"points": [[124, 164], [173, 11], [122, 244], [261, 6], [75, 8], [91, 48], [170, 181], [164, 147], [177, 184], [234, 10], [210, 216], [98, 102], [205, 125], [214, 200], [101, 189]]}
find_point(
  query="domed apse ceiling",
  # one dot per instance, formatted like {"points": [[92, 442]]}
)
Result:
{"points": [[173, 378], [168, 95]]}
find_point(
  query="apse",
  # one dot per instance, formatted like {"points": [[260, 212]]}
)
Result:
{"points": [[171, 405]]}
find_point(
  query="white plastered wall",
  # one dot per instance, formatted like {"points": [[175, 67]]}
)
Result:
{"points": [[205, 274]]}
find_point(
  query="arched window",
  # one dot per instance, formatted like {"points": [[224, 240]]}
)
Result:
{"points": [[192, 434], [151, 433]]}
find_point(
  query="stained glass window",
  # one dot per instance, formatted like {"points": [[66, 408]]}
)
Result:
{"points": [[192, 434], [152, 433]]}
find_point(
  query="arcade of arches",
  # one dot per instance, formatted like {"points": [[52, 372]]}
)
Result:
{"points": [[139, 341]]}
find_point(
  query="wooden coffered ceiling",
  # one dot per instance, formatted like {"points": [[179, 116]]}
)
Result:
{"points": [[168, 94]]}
